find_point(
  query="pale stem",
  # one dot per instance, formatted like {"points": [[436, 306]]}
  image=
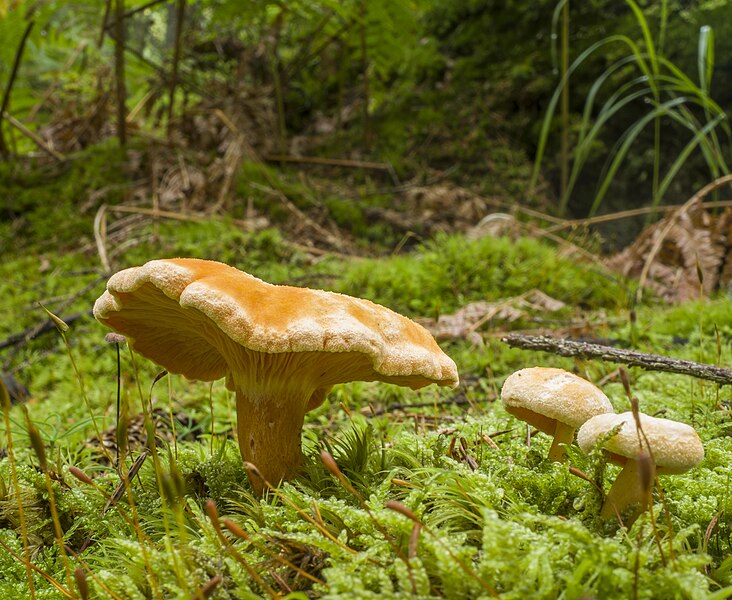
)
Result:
{"points": [[269, 436], [563, 434], [626, 497]]}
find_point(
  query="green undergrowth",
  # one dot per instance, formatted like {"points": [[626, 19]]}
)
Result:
{"points": [[451, 270], [481, 511]]}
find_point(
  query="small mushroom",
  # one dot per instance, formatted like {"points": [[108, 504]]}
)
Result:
{"points": [[661, 446], [280, 348], [554, 401]]}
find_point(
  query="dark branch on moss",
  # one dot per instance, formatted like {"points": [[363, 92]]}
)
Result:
{"points": [[634, 358]]}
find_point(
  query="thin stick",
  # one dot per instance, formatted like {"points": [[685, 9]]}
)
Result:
{"points": [[33, 332], [179, 16], [332, 162], [105, 20], [458, 399], [134, 11], [564, 147], [623, 214], [11, 81], [634, 358], [276, 74], [365, 75], [119, 70], [5, 402]]}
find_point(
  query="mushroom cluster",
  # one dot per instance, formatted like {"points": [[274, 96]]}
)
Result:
{"points": [[280, 348], [558, 403]]}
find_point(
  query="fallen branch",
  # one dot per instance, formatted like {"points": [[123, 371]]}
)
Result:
{"points": [[650, 362], [43, 327]]}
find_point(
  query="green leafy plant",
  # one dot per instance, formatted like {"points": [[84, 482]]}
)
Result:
{"points": [[643, 74]]}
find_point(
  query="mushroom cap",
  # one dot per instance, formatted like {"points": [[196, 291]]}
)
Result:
{"points": [[543, 395], [193, 317], [675, 446]]}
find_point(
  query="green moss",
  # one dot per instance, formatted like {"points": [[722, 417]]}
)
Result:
{"points": [[523, 525], [450, 271], [49, 199]]}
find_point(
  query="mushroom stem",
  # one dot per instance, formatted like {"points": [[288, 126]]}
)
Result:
{"points": [[563, 434], [269, 436], [627, 497]]}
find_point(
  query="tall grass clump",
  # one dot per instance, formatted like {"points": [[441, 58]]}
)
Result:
{"points": [[643, 75]]}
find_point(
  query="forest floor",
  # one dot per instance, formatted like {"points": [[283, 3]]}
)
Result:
{"points": [[441, 492]]}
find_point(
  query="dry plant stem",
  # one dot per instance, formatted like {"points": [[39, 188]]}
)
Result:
{"points": [[250, 467], [650, 362], [38, 140], [627, 497], [240, 533], [5, 401], [82, 390], [332, 466], [11, 81], [41, 572], [141, 538], [158, 478], [58, 532], [119, 71], [400, 508], [563, 435], [85, 569], [624, 214], [331, 162], [180, 16], [213, 515]]}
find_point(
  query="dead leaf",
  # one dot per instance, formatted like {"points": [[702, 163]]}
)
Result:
{"points": [[691, 249], [465, 323]]}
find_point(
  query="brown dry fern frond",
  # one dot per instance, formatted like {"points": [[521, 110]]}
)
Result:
{"points": [[682, 256]]}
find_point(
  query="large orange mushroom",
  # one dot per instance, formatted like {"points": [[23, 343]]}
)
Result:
{"points": [[280, 348]]}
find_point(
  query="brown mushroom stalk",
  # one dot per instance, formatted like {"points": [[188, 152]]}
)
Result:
{"points": [[280, 348], [271, 403], [628, 498], [563, 436]]}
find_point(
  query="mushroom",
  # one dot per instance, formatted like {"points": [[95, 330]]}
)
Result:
{"points": [[280, 348], [660, 446], [554, 401]]}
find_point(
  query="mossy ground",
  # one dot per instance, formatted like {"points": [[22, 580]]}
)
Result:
{"points": [[495, 516]]}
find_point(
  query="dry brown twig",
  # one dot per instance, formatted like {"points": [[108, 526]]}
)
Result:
{"points": [[11, 80], [650, 362], [34, 137]]}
